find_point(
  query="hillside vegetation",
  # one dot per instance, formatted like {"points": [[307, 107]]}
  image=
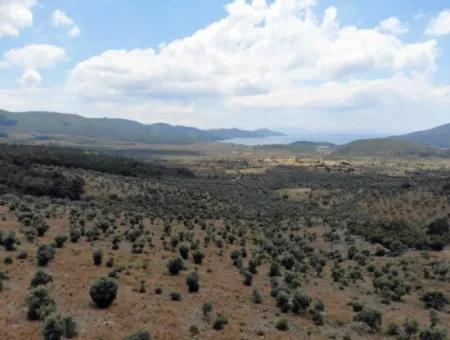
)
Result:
{"points": [[44, 124]]}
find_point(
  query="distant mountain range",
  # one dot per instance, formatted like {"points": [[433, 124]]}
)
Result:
{"points": [[45, 124], [438, 137]]}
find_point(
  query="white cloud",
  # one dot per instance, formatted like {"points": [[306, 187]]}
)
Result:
{"points": [[30, 78], [440, 25], [257, 49], [74, 32], [393, 25], [15, 15], [61, 19], [32, 58], [35, 56]]}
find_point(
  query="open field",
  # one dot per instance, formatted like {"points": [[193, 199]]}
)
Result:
{"points": [[334, 248]]}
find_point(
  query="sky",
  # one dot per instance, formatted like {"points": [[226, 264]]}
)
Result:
{"points": [[324, 66]]}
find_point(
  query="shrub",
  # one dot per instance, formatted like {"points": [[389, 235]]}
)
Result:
{"points": [[139, 335], [97, 256], [371, 318], [435, 299], [433, 334], [300, 302], [411, 327], [60, 240], [74, 234], [248, 278], [318, 318], [158, 290], [393, 329], [274, 269], [198, 257], [41, 229], [175, 296], [40, 278], [103, 292], [57, 326], [256, 296], [184, 251], [282, 325], [9, 241], [192, 282], [45, 254], [220, 322], [40, 304], [175, 266], [207, 308]]}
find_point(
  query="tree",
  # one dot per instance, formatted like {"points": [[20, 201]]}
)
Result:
{"points": [[103, 292]]}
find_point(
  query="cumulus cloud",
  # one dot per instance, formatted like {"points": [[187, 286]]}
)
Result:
{"points": [[15, 15], [257, 50], [35, 56], [440, 25], [30, 78], [393, 25], [61, 19], [31, 58]]}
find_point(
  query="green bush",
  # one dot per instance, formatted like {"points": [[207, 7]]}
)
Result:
{"points": [[57, 326], [371, 318], [282, 325], [175, 266], [207, 308], [39, 303], [139, 335], [192, 282], [175, 296], [103, 292], [9, 241], [220, 322], [198, 257], [97, 257], [184, 251], [256, 296], [300, 302], [45, 254], [40, 278], [433, 334], [60, 240], [435, 299]]}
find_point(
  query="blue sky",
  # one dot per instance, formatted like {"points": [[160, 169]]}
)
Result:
{"points": [[325, 66]]}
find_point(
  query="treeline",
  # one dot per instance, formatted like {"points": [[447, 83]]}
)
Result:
{"points": [[37, 170], [26, 155]]}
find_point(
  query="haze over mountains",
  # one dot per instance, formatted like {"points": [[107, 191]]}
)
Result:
{"points": [[53, 123]]}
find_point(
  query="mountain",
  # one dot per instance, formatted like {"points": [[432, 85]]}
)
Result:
{"points": [[382, 147], [44, 124], [438, 136]]}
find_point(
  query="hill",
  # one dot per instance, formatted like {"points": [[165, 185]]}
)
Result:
{"points": [[299, 147], [45, 124], [438, 137], [382, 147]]}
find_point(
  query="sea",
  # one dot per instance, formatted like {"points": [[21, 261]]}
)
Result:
{"points": [[335, 139]]}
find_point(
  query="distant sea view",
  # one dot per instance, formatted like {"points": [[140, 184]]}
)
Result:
{"points": [[335, 139]]}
